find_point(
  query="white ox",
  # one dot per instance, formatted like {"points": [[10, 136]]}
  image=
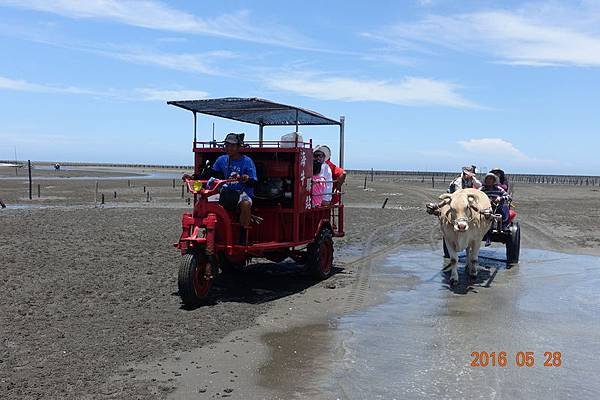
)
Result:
{"points": [[465, 217]]}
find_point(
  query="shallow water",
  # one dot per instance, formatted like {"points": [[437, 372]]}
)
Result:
{"points": [[418, 344], [136, 176]]}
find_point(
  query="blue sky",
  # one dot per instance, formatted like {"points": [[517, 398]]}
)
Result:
{"points": [[424, 85]]}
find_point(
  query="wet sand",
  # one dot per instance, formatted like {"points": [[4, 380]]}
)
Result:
{"points": [[89, 306], [419, 343]]}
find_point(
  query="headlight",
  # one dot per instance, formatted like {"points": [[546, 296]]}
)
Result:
{"points": [[196, 186]]}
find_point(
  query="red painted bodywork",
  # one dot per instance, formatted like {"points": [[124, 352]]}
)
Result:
{"points": [[287, 224]]}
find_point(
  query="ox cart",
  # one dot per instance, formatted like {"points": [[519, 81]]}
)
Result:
{"points": [[286, 223]]}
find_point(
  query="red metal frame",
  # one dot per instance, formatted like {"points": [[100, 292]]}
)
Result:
{"points": [[285, 225]]}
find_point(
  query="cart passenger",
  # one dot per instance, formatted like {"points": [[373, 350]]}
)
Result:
{"points": [[238, 166], [466, 180], [503, 181], [338, 174], [322, 180], [498, 196]]}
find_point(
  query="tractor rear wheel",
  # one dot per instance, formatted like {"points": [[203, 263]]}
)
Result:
{"points": [[319, 255], [192, 280], [513, 245]]}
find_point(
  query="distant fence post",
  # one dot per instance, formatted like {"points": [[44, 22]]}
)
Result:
{"points": [[39, 191], [29, 167], [96, 195], [385, 202]]}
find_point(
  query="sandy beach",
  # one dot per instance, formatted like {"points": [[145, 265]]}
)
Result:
{"points": [[89, 304]]}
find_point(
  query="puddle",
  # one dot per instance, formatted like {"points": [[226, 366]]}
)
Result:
{"points": [[142, 204], [27, 206], [418, 344]]}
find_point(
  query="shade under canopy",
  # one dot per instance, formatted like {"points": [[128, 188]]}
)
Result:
{"points": [[255, 111]]}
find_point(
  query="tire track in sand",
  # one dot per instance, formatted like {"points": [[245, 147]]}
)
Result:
{"points": [[363, 265]]}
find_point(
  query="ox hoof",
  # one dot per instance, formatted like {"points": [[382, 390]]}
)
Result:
{"points": [[453, 281]]}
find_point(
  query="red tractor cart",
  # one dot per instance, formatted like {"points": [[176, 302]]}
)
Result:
{"points": [[285, 222]]}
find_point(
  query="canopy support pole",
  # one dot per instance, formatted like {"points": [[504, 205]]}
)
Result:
{"points": [[342, 118], [260, 135], [296, 120], [194, 129]]}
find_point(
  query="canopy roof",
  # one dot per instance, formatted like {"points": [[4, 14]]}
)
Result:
{"points": [[255, 111]]}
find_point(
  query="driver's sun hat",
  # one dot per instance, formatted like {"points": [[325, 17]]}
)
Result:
{"points": [[470, 171], [235, 138]]}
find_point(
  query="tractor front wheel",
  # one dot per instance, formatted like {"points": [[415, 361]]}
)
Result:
{"points": [[320, 255], [193, 281]]}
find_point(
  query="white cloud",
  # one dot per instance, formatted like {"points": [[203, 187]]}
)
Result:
{"points": [[536, 35], [146, 94], [165, 95], [156, 15], [410, 91], [188, 62], [498, 150], [24, 86]]}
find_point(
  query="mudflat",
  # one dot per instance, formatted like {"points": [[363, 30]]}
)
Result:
{"points": [[89, 305]]}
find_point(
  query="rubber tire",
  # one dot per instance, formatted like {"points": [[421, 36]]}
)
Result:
{"points": [[189, 272], [319, 255], [513, 246]]}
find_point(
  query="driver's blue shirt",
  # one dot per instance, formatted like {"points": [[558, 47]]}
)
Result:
{"points": [[242, 166]]}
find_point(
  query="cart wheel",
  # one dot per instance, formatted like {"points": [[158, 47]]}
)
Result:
{"points": [[446, 253], [320, 255], [193, 285], [513, 245]]}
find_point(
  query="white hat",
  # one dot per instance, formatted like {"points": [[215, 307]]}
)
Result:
{"points": [[323, 149], [490, 175]]}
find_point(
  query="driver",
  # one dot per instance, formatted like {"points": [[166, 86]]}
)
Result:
{"points": [[466, 180], [235, 165]]}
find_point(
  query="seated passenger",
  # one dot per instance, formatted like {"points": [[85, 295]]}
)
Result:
{"points": [[337, 173], [498, 196], [503, 182], [322, 181], [466, 180], [237, 166]]}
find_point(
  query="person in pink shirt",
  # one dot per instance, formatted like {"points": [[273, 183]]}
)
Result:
{"points": [[322, 181]]}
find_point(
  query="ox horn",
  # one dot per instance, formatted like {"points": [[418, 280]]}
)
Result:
{"points": [[489, 214], [434, 208], [472, 204]]}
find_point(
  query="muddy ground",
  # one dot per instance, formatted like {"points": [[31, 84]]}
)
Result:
{"points": [[85, 293]]}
